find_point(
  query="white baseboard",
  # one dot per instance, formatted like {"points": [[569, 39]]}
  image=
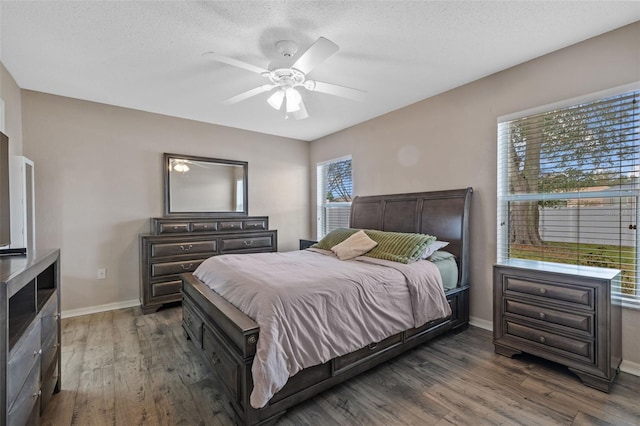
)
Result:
{"points": [[630, 367], [100, 308], [480, 323]]}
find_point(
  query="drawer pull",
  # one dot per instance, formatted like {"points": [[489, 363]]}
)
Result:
{"points": [[175, 227], [189, 321], [214, 358], [37, 394], [189, 247], [187, 267], [372, 346], [542, 339], [248, 242], [543, 315], [38, 352], [543, 291]]}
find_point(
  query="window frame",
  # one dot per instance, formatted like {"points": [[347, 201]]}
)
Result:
{"points": [[503, 197], [320, 203]]}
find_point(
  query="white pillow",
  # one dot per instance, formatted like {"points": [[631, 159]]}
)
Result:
{"points": [[354, 246], [433, 247]]}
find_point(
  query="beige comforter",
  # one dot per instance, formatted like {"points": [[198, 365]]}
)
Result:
{"points": [[312, 307]]}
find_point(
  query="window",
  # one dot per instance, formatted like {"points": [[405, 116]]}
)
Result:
{"points": [[568, 186], [335, 187]]}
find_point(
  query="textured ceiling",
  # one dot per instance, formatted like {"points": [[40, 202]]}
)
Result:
{"points": [[147, 55]]}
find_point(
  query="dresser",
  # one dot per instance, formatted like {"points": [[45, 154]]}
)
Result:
{"points": [[563, 313], [30, 342], [179, 245]]}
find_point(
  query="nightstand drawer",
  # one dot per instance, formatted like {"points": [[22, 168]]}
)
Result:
{"points": [[171, 249], [245, 243], [582, 296], [584, 349], [170, 268], [578, 321]]}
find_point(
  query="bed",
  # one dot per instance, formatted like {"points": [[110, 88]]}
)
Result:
{"points": [[227, 338]]}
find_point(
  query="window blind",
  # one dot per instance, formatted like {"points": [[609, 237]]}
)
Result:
{"points": [[568, 187], [334, 189]]}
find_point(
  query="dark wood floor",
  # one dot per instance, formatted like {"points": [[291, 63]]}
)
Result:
{"points": [[124, 368]]}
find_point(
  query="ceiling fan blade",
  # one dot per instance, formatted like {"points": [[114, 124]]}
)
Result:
{"points": [[316, 54], [336, 90], [248, 94], [236, 63], [300, 114]]}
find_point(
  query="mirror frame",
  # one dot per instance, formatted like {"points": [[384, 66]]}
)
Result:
{"points": [[167, 186]]}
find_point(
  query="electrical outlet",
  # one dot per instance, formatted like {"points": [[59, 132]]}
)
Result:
{"points": [[102, 273]]}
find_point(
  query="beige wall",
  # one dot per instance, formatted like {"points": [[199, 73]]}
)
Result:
{"points": [[449, 141], [10, 93], [98, 174]]}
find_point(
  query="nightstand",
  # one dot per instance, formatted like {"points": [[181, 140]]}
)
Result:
{"points": [[305, 244], [563, 313]]}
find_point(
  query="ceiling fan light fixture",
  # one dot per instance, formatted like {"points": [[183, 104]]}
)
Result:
{"points": [[275, 100], [293, 100]]}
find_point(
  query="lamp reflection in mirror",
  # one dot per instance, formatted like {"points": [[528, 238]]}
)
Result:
{"points": [[179, 166]]}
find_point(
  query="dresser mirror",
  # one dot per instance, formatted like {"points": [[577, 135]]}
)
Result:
{"points": [[201, 186]]}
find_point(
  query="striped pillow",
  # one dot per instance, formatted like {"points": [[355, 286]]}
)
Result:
{"points": [[394, 246], [398, 246]]}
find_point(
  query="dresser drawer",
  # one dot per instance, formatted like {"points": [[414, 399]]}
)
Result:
{"points": [[254, 225], [26, 401], [50, 318], [574, 320], [548, 340], [363, 354], [172, 228], [581, 296], [25, 355], [230, 226], [170, 268], [166, 288], [49, 351], [221, 359], [49, 381], [245, 243], [172, 249], [206, 226]]}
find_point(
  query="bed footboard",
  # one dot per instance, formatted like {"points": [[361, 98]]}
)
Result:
{"points": [[226, 339]]}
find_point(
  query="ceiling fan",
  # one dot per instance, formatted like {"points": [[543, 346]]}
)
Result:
{"points": [[285, 79]]}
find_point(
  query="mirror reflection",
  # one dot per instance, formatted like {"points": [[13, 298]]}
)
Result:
{"points": [[201, 186]]}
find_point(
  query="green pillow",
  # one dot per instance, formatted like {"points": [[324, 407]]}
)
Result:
{"points": [[394, 246], [398, 246], [334, 238]]}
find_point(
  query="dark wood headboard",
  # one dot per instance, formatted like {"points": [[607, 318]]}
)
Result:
{"points": [[444, 214]]}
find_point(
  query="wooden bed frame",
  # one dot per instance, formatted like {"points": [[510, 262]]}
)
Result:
{"points": [[226, 338]]}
